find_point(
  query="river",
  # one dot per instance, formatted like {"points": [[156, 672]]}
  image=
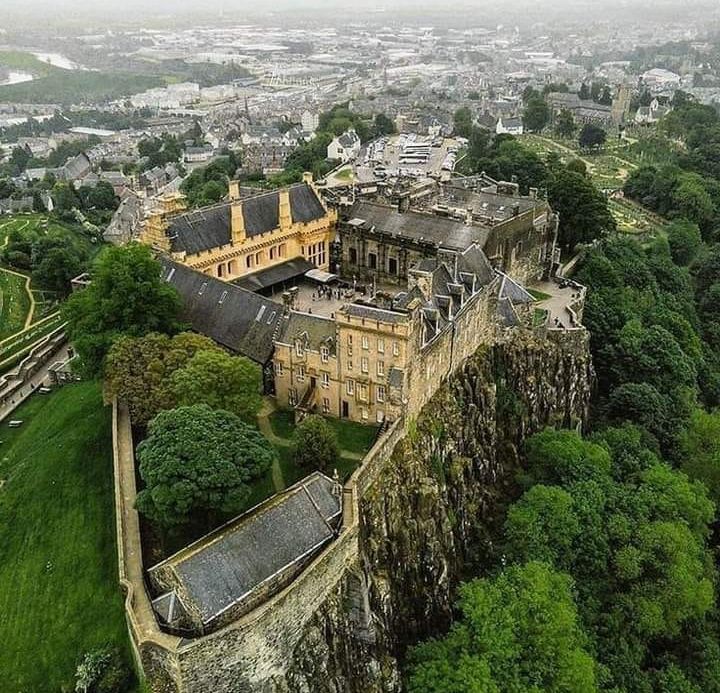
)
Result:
{"points": [[16, 77], [57, 60]]}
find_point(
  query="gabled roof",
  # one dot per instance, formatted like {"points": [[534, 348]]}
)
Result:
{"points": [[313, 330], [235, 318], [210, 227], [227, 566]]}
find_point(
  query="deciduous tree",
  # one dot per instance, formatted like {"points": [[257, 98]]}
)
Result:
{"points": [[197, 461], [126, 297]]}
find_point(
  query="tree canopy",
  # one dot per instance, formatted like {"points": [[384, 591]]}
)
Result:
{"points": [[221, 381], [536, 114], [198, 461], [518, 632], [125, 297], [138, 370], [315, 444], [629, 530]]}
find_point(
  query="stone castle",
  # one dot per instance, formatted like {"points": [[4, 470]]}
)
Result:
{"points": [[416, 318]]}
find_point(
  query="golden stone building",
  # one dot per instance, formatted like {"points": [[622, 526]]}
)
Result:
{"points": [[246, 235]]}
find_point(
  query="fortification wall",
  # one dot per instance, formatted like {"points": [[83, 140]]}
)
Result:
{"points": [[416, 516]]}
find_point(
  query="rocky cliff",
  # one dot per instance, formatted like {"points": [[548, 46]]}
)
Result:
{"points": [[427, 521]]}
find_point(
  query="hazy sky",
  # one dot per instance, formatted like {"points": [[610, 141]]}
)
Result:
{"points": [[74, 11]]}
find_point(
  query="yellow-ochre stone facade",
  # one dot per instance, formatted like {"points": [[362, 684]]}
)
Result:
{"points": [[246, 234]]}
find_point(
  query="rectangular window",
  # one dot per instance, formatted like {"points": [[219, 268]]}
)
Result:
{"points": [[281, 250], [381, 367], [279, 370], [325, 379], [292, 396], [324, 354], [363, 392], [365, 343], [299, 348], [272, 252], [326, 405], [349, 364], [364, 364], [364, 414], [301, 373], [381, 346], [380, 393], [350, 387], [396, 348]]}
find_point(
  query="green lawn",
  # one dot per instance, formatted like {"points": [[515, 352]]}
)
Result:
{"points": [[14, 304], [538, 295], [353, 438], [59, 594], [57, 85]]}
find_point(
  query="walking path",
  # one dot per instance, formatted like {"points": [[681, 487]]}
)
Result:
{"points": [[33, 384], [265, 427]]}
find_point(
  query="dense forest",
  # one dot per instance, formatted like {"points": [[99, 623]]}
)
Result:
{"points": [[606, 577]]}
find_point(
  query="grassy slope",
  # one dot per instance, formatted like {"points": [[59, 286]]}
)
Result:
{"points": [[14, 304], [58, 578], [55, 85]]}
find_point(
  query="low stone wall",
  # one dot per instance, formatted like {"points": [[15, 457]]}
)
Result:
{"points": [[254, 649]]}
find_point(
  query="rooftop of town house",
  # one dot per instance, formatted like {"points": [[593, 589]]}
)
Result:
{"points": [[227, 566], [494, 202]]}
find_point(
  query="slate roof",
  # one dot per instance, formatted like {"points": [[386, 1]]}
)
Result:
{"points": [[225, 567], [203, 229], [439, 231], [474, 261], [77, 167], [270, 276], [238, 319], [315, 330], [361, 310], [513, 291], [487, 203]]}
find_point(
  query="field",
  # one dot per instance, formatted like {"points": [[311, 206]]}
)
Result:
{"points": [[22, 304], [59, 595], [56, 85], [14, 303]]}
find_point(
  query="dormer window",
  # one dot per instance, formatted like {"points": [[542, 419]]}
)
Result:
{"points": [[299, 350], [324, 354]]}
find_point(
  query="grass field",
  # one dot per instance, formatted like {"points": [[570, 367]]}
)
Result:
{"points": [[608, 168], [56, 85], [14, 299], [14, 304], [59, 595]]}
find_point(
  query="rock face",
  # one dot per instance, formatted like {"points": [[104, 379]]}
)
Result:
{"points": [[425, 522]]}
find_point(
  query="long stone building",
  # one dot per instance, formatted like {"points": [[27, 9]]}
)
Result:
{"points": [[246, 235]]}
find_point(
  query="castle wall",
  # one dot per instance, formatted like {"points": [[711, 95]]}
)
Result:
{"points": [[416, 517]]}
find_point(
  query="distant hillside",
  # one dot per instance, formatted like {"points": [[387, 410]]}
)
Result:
{"points": [[55, 85]]}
